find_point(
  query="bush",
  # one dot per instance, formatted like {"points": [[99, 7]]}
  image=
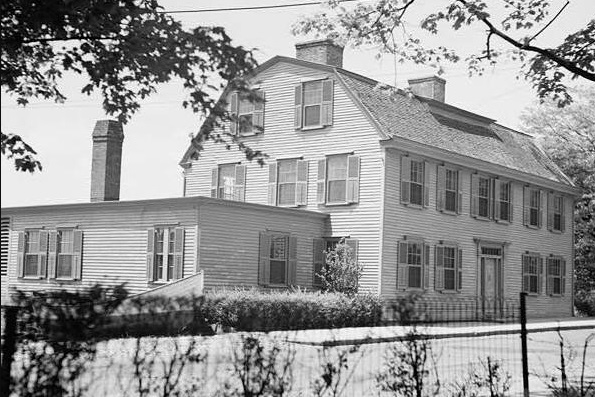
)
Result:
{"points": [[585, 303], [253, 310], [341, 272]]}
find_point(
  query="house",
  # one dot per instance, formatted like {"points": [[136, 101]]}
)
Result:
{"points": [[432, 198]]}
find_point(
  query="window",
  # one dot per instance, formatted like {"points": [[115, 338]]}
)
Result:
{"points": [[532, 207], [32, 244], [321, 247], [483, 197], [65, 254], [288, 183], [414, 182], [448, 191], [556, 275], [555, 213], [413, 265], [278, 259], [314, 104], [247, 115], [65, 262], [338, 179], [532, 273], [448, 268], [165, 250], [32, 254], [228, 182], [503, 201]]}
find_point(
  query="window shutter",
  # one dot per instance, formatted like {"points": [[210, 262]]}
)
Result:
{"points": [[402, 266], [525, 265], [301, 191], [497, 189], [321, 182], [21, 255], [426, 267], [273, 184], [264, 262], [438, 268], [353, 166], [440, 187], [43, 254], [562, 215], [426, 184], [405, 179], [540, 214], [178, 272], [151, 254], [550, 211], [540, 276], [77, 255], [233, 110], [240, 183], [326, 113], [474, 195], [549, 286], [258, 114], [52, 252], [214, 181], [318, 259], [354, 245], [460, 270], [292, 262], [297, 115], [510, 204], [460, 197], [562, 276]]}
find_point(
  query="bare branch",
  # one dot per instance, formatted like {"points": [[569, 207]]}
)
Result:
{"points": [[549, 23]]}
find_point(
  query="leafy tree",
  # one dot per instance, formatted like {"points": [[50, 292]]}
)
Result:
{"points": [[341, 272], [382, 24], [568, 137], [125, 49]]}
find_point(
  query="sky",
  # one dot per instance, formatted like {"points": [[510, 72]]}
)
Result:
{"points": [[158, 135]]}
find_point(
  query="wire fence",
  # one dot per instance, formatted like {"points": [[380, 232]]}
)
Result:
{"points": [[438, 347]]}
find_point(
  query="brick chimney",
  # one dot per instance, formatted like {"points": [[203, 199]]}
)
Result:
{"points": [[107, 160], [432, 87], [320, 51]]}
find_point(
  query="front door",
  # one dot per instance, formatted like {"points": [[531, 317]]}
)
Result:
{"points": [[491, 286]]}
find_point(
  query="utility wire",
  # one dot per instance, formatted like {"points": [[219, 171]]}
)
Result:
{"points": [[265, 7]]}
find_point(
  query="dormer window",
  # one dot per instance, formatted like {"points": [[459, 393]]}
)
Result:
{"points": [[314, 104], [247, 117]]}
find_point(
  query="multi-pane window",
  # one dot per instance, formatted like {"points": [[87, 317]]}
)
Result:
{"points": [[314, 104], [532, 270], [288, 182], [278, 255], [417, 182], [503, 201], [483, 209], [534, 207], [451, 190], [555, 212], [278, 259], [245, 116], [448, 267], [450, 277], [556, 275], [338, 179], [165, 254], [32, 253], [413, 258], [247, 113], [414, 182], [414, 262], [65, 254], [228, 182]]}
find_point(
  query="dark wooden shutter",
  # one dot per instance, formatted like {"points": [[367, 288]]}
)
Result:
{"points": [[524, 269], [511, 203], [497, 205], [440, 188], [318, 259], [292, 261], [353, 166], [426, 267], [459, 270], [402, 266], [427, 174], [562, 276], [52, 252], [264, 267], [43, 254], [562, 214], [460, 196], [321, 182], [526, 206], [178, 272], [540, 276], [326, 113], [438, 268], [22, 238], [354, 245], [240, 183], [540, 212], [233, 110], [301, 191], [272, 195], [549, 286], [77, 255], [297, 115], [474, 195], [258, 114], [405, 180], [214, 181], [151, 254], [550, 211]]}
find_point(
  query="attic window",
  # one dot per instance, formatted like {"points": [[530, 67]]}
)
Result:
{"points": [[314, 104]]}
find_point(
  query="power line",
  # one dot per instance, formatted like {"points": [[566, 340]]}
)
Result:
{"points": [[265, 7]]}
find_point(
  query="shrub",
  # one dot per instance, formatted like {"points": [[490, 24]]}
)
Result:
{"points": [[253, 310], [341, 272]]}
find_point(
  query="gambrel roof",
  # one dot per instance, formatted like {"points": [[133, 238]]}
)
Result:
{"points": [[401, 115]]}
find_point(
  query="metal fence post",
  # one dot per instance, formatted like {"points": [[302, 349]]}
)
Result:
{"points": [[8, 348], [524, 344]]}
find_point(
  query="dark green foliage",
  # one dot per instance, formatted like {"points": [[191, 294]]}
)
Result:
{"points": [[251, 310], [342, 271]]}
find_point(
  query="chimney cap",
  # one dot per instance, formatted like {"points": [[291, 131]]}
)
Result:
{"points": [[108, 128], [426, 78], [316, 43]]}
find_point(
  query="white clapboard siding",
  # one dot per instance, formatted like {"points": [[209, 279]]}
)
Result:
{"points": [[351, 132], [4, 241], [434, 226]]}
